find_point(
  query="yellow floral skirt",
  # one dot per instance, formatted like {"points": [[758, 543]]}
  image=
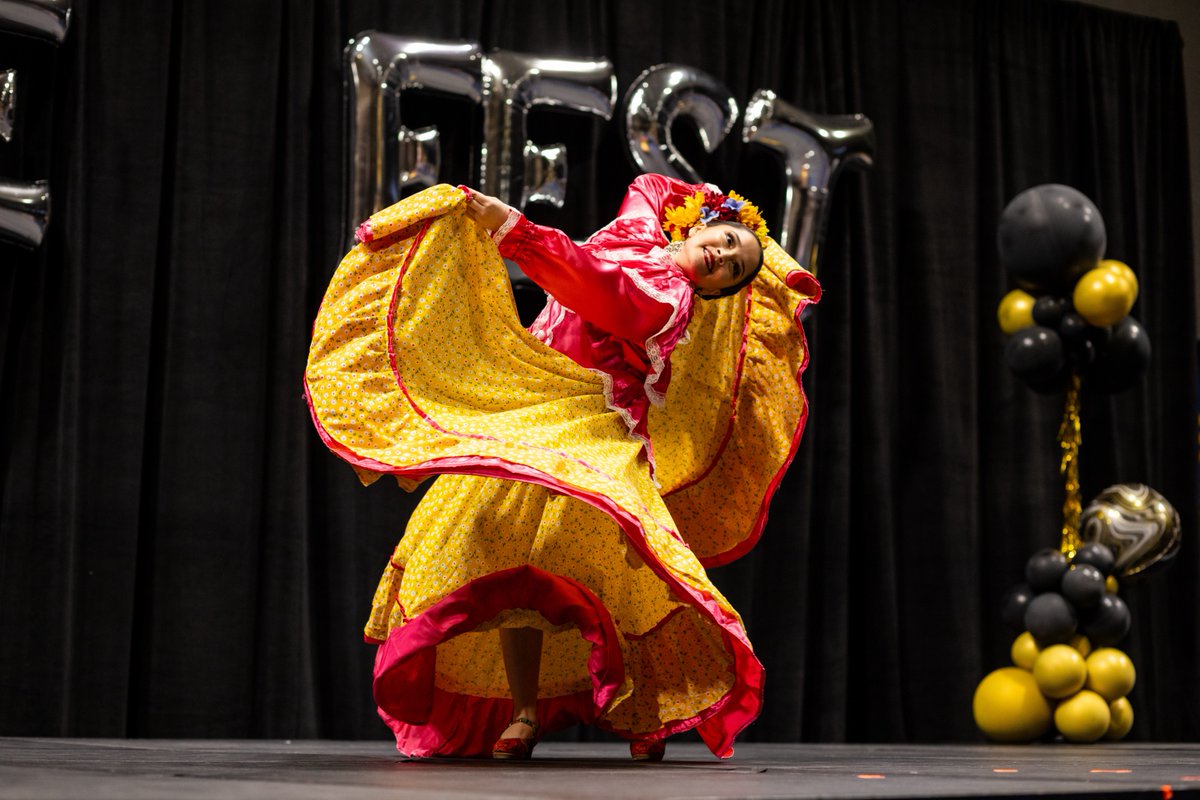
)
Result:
{"points": [[620, 650], [546, 515]]}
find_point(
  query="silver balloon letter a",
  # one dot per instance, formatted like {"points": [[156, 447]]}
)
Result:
{"points": [[25, 207], [8, 103], [513, 83], [24, 212], [42, 19], [814, 149], [385, 157], [659, 96]]}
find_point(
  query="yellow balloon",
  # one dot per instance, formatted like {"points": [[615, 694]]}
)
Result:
{"points": [[1009, 707], [1024, 650], [1081, 643], [1083, 717], [1122, 719], [1103, 297], [1110, 584], [1015, 311], [1059, 671], [1110, 673], [1122, 269]]}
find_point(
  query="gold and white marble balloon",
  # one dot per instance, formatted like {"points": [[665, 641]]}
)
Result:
{"points": [[1137, 523]]}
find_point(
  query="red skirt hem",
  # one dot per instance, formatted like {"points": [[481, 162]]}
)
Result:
{"points": [[429, 721]]}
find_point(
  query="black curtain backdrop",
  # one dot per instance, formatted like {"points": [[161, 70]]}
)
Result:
{"points": [[179, 554]]}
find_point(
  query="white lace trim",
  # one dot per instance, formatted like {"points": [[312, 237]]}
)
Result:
{"points": [[548, 321], [509, 223], [653, 350], [627, 418]]}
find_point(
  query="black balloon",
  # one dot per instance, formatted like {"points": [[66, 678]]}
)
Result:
{"points": [[1099, 336], [1051, 619], [1035, 355], [1048, 310], [1045, 569], [1012, 608], [1108, 623], [1072, 327], [1083, 585], [1097, 555], [1123, 360], [1081, 353], [1048, 236]]}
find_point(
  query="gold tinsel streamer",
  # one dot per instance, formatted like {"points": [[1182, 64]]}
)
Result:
{"points": [[1069, 438]]}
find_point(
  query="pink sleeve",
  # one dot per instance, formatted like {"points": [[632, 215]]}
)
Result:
{"points": [[649, 195], [596, 289]]}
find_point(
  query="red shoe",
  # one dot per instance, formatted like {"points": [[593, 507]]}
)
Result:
{"points": [[516, 749], [647, 749]]}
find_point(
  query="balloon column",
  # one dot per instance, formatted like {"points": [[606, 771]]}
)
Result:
{"points": [[1071, 312], [1067, 673], [1066, 607], [1070, 326]]}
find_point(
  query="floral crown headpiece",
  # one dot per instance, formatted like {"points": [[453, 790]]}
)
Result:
{"points": [[708, 206]]}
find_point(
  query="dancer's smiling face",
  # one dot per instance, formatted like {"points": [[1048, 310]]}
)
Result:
{"points": [[719, 256]]}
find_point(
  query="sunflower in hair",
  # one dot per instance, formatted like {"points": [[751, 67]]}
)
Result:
{"points": [[706, 206]]}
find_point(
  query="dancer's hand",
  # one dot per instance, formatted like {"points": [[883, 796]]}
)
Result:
{"points": [[487, 212]]}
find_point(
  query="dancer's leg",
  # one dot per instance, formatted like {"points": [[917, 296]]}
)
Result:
{"points": [[522, 649]]}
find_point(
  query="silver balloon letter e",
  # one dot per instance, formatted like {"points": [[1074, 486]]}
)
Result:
{"points": [[513, 83], [385, 156]]}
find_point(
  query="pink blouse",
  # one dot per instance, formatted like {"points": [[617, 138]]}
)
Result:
{"points": [[618, 303]]}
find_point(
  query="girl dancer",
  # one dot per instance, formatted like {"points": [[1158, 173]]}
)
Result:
{"points": [[555, 573]]}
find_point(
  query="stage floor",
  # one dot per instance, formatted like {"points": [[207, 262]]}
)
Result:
{"points": [[98, 769]]}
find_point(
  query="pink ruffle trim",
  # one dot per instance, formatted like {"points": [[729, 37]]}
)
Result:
{"points": [[428, 721], [806, 283]]}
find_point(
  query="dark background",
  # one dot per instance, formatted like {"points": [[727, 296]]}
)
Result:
{"points": [[180, 556]]}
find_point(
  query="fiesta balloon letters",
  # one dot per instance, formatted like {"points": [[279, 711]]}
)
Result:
{"points": [[385, 157]]}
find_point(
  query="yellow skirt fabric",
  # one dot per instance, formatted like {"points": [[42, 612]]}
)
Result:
{"points": [[548, 517]]}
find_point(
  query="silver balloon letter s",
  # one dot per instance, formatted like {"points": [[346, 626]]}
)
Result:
{"points": [[814, 149], [513, 83], [385, 156], [659, 96]]}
